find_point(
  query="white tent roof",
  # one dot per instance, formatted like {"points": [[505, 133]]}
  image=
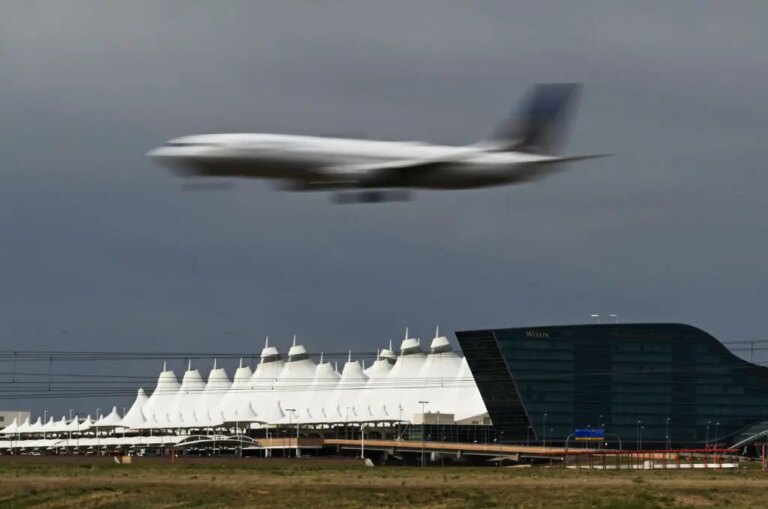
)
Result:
{"points": [[467, 393], [60, 426], [369, 398], [401, 397], [294, 381], [23, 427], [156, 408], [389, 390], [236, 395], [134, 418], [244, 415], [49, 426], [438, 375], [342, 404], [215, 389], [262, 393], [181, 410], [320, 393], [111, 420], [87, 424]]}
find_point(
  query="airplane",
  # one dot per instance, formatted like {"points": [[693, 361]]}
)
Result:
{"points": [[521, 149]]}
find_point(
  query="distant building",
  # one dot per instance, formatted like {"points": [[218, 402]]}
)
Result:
{"points": [[7, 417], [649, 386]]}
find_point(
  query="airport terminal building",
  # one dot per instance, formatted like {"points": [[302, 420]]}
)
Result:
{"points": [[638, 386], [648, 386]]}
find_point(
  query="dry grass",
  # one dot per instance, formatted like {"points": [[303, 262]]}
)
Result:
{"points": [[318, 487]]}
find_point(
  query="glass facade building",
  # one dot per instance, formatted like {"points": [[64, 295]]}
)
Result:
{"points": [[649, 386]]}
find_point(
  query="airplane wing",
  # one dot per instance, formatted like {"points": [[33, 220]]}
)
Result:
{"points": [[386, 173], [375, 174]]}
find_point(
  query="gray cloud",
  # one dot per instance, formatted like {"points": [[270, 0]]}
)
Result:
{"points": [[98, 242]]}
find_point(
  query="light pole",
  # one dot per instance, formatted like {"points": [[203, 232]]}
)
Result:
{"points": [[668, 441], [602, 425], [298, 426], [423, 430], [638, 442], [528, 435], [717, 426], [544, 430], [290, 415], [595, 317], [362, 441], [98, 418], [615, 318], [706, 442], [501, 439]]}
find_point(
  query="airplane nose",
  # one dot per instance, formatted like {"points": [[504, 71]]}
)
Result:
{"points": [[158, 153], [171, 159]]}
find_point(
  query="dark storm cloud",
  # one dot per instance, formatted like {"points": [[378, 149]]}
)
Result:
{"points": [[103, 250]]}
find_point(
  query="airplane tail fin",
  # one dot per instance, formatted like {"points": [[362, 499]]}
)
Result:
{"points": [[541, 121]]}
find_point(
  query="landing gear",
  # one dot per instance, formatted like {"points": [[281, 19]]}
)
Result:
{"points": [[370, 197]]}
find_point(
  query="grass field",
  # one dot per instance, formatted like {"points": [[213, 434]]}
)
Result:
{"points": [[287, 486]]}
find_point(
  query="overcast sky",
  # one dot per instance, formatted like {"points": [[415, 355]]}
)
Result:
{"points": [[100, 249]]}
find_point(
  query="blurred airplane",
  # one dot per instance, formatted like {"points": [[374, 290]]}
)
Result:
{"points": [[521, 149]]}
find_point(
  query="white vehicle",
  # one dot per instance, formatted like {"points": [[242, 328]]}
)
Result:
{"points": [[521, 149]]}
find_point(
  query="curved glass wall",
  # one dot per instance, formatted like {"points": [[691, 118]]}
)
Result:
{"points": [[648, 385]]}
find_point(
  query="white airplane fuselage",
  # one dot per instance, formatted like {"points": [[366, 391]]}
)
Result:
{"points": [[310, 162]]}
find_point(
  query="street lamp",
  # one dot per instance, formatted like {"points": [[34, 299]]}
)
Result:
{"points": [[717, 426], [595, 317], [544, 430], [615, 318], [501, 439], [706, 442], [637, 436], [362, 441], [290, 415], [423, 430], [298, 426]]}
